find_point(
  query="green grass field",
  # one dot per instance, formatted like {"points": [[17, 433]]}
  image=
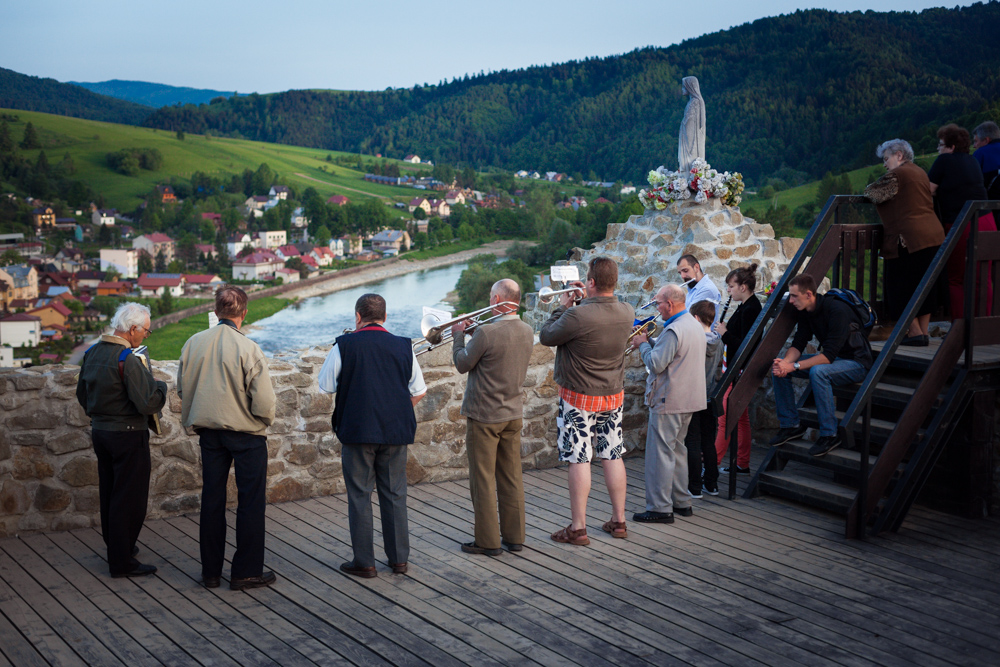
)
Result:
{"points": [[166, 343], [442, 250], [88, 142]]}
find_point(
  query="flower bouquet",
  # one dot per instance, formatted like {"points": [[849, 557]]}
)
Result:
{"points": [[701, 182]]}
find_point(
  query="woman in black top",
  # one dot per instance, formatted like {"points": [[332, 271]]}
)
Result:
{"points": [[740, 284], [956, 178]]}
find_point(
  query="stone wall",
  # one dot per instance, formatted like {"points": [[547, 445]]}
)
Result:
{"points": [[48, 472]]}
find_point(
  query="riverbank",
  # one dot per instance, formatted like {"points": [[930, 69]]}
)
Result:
{"points": [[403, 266]]}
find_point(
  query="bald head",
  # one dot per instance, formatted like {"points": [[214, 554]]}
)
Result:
{"points": [[670, 300], [673, 292], [506, 290]]}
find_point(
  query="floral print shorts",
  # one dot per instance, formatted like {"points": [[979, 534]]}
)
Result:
{"points": [[583, 434]]}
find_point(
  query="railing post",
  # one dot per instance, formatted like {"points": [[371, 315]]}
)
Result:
{"points": [[835, 281], [970, 288], [866, 431]]}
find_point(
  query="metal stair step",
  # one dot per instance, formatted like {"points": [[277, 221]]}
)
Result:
{"points": [[840, 460], [881, 429], [808, 490], [886, 394]]}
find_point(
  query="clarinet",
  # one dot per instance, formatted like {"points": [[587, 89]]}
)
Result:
{"points": [[725, 308]]}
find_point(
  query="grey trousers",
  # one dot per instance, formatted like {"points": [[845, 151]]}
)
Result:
{"points": [[384, 467], [666, 463]]}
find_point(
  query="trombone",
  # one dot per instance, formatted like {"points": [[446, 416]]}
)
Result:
{"points": [[546, 295], [643, 327], [437, 332]]}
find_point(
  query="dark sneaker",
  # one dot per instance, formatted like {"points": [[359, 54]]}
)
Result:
{"points": [[683, 511], [739, 471], [916, 341], [653, 517], [696, 494], [473, 548], [711, 490], [785, 434], [140, 570], [825, 445]]}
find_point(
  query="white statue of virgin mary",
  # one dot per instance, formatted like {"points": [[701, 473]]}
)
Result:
{"points": [[691, 143]]}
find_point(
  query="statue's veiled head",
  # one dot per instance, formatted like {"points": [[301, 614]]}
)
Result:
{"points": [[689, 86]]}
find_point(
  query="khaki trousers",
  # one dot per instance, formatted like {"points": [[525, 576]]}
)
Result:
{"points": [[495, 481]]}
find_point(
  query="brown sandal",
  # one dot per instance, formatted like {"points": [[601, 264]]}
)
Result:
{"points": [[616, 528], [569, 536]]}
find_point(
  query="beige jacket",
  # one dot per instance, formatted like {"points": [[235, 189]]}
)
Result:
{"points": [[223, 382]]}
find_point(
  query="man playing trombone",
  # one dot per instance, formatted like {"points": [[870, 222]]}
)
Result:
{"points": [[590, 372], [496, 359]]}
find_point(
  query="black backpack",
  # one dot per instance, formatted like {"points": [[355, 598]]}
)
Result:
{"points": [[862, 309]]}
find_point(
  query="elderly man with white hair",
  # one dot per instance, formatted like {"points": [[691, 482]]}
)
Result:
{"points": [[119, 393]]}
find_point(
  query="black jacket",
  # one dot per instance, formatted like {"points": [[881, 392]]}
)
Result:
{"points": [[837, 328], [739, 325], [111, 404]]}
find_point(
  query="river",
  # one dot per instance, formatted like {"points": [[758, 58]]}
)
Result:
{"points": [[319, 320]]}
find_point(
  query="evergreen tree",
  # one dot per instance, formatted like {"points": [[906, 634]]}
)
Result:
{"points": [[30, 139], [42, 164], [6, 141], [161, 262]]}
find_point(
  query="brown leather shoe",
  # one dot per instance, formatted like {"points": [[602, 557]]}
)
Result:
{"points": [[350, 568], [399, 568]]}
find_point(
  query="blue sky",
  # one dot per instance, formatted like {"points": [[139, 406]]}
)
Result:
{"points": [[251, 45]]}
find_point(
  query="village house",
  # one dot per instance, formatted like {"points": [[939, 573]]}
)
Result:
{"points": [[103, 216], [337, 247], [257, 266], [21, 329], [440, 208], [278, 192], [8, 360], [338, 200], [299, 219], [287, 275], [206, 249], [124, 261], [157, 284], [44, 218], [322, 255], [166, 194], [255, 205], [367, 256], [421, 203], [272, 239], [237, 242], [413, 159], [392, 240], [23, 280], [352, 244], [54, 332], [89, 279], [52, 313], [287, 251], [417, 226], [154, 244], [202, 281], [6, 295], [114, 288], [454, 197], [627, 190]]}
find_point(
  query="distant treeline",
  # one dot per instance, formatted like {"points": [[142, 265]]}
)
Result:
{"points": [[32, 93], [796, 95]]}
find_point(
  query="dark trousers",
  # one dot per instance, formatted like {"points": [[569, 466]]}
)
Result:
{"points": [[123, 475], [495, 482], [220, 450], [382, 467], [700, 443]]}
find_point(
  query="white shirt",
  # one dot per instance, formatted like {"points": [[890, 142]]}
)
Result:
{"points": [[330, 374], [704, 290]]}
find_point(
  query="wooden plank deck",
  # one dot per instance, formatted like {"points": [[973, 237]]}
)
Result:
{"points": [[984, 357], [744, 582]]}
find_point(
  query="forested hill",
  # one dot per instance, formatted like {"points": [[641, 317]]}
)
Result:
{"points": [[152, 94], [813, 91], [32, 93]]}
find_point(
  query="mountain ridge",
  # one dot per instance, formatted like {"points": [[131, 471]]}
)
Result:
{"points": [[152, 94]]}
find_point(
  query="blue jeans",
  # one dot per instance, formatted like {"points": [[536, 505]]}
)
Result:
{"points": [[823, 379]]}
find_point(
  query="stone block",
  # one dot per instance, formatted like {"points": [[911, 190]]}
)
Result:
{"points": [[699, 253], [59, 394], [4, 449], [28, 382], [30, 463], [790, 246], [174, 402], [51, 498], [275, 467], [14, 498], [628, 235], [614, 230], [287, 402], [415, 473], [86, 500], [187, 450], [80, 471], [33, 522], [182, 505], [746, 251], [539, 408], [548, 388], [434, 401], [66, 377], [455, 412], [72, 441], [318, 425], [279, 427], [326, 469], [735, 216], [727, 237], [287, 489], [541, 354], [33, 416], [275, 367], [723, 253], [425, 430], [71, 522], [300, 380], [303, 455], [177, 477], [770, 248], [75, 416], [435, 375]]}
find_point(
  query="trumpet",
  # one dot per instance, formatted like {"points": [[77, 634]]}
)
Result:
{"points": [[644, 327], [547, 294], [437, 333]]}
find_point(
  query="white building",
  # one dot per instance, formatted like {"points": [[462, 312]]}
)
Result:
{"points": [[271, 240], [288, 275], [123, 260], [21, 329], [278, 192], [299, 219], [237, 242], [103, 216], [337, 247], [257, 266]]}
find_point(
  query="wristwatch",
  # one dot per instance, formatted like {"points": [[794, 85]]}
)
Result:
{"points": [[795, 365]]}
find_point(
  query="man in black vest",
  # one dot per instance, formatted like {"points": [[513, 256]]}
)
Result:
{"points": [[377, 383]]}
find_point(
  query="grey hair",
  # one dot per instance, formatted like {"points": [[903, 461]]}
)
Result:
{"points": [[987, 130], [674, 293], [128, 315], [896, 146]]}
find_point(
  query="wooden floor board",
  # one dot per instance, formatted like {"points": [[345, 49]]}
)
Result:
{"points": [[742, 582]]}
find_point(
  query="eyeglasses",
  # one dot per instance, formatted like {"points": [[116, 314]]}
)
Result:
{"points": [[149, 332]]}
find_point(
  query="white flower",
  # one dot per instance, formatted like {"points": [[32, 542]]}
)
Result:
{"points": [[701, 197]]}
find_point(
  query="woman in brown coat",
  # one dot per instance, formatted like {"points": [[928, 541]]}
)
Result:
{"points": [[911, 238]]}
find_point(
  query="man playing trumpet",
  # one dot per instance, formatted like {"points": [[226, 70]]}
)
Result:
{"points": [[496, 359], [589, 370]]}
